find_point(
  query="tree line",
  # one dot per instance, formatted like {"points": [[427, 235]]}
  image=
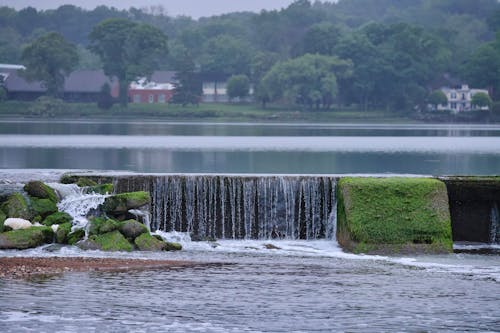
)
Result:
{"points": [[387, 54]]}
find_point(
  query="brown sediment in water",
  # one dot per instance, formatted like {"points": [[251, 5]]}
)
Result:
{"points": [[22, 267]]}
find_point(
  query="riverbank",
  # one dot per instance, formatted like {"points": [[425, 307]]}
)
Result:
{"points": [[24, 267], [204, 112]]}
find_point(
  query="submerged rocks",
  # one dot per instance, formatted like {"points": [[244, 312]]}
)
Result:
{"points": [[146, 242], [112, 241]]}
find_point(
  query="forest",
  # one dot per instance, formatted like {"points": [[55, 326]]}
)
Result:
{"points": [[372, 54]]}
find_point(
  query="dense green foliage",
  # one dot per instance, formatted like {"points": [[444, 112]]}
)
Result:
{"points": [[400, 50], [49, 59], [437, 97], [387, 214], [481, 100], [238, 86]]}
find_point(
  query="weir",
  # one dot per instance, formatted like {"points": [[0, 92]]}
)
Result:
{"points": [[239, 207]]}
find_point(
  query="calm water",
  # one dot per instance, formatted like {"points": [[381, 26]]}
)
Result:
{"points": [[303, 287], [251, 148]]}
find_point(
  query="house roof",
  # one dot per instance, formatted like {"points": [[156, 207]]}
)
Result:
{"points": [[163, 77], [86, 81]]}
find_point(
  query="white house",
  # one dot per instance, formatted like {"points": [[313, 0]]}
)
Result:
{"points": [[459, 99]]}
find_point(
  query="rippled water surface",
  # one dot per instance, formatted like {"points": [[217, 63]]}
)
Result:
{"points": [[302, 287]]}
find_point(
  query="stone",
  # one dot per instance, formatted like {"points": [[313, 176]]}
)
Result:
{"points": [[3, 217], [101, 189], [88, 244], [85, 182], [99, 226], [25, 238], [62, 233], [17, 223], [146, 242], [112, 241], [75, 236], [171, 246], [132, 229], [68, 179], [17, 206], [40, 190], [57, 218], [393, 215], [43, 207], [120, 204]]}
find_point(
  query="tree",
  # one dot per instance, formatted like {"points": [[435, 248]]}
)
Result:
{"points": [[105, 100], [127, 50], [310, 80], [483, 68], [437, 97], [238, 86], [188, 88], [321, 38], [481, 100], [49, 59]]}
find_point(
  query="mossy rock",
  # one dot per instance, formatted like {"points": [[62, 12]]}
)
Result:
{"points": [[40, 190], [123, 202], [57, 218], [69, 179], [99, 226], [393, 215], [26, 238], [62, 233], [3, 217], [132, 229], [146, 242], [112, 241], [17, 206], [85, 182], [101, 189], [171, 246], [75, 236], [43, 207]]}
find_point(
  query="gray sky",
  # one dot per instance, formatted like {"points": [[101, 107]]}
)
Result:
{"points": [[194, 8]]}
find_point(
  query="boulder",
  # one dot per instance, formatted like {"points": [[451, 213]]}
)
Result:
{"points": [[75, 236], [132, 229], [101, 189], [393, 215], [57, 218], [69, 179], [88, 244], [43, 207], [62, 233], [146, 242], [26, 238], [99, 226], [171, 246], [17, 206], [112, 241], [120, 204], [3, 217], [85, 182], [17, 223], [38, 189]]}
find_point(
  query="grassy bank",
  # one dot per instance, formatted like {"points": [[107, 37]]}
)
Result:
{"points": [[203, 112]]}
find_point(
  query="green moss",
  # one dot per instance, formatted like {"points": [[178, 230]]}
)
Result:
{"points": [[75, 236], [173, 246], [43, 207], [393, 214], [62, 233], [26, 238], [57, 218], [68, 179], [121, 203], [146, 242], [132, 229], [101, 189], [84, 182], [40, 190], [17, 206], [112, 241], [3, 217], [101, 225]]}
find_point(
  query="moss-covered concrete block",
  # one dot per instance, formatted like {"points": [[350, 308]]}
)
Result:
{"points": [[26, 238], [40, 190], [393, 215], [112, 241]]}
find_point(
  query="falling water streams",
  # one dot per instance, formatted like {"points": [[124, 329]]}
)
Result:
{"points": [[495, 225]]}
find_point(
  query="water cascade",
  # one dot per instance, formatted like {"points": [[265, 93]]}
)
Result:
{"points": [[77, 203], [495, 225], [239, 207]]}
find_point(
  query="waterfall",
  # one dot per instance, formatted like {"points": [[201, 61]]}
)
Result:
{"points": [[77, 203], [240, 207], [495, 227]]}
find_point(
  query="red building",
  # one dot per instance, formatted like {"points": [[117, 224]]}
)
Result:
{"points": [[158, 89]]}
